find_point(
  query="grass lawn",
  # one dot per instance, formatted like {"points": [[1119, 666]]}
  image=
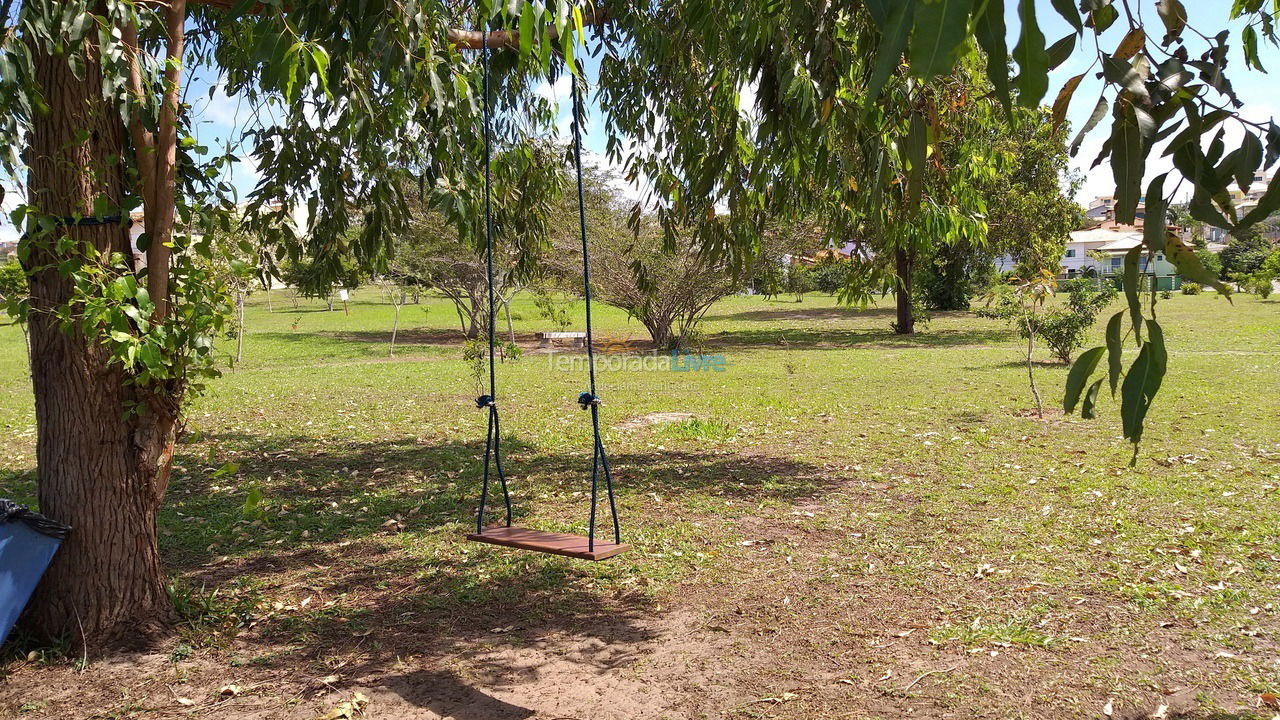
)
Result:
{"points": [[849, 524]]}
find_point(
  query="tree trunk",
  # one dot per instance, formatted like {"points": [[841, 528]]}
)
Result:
{"points": [[1031, 374], [511, 328], [239, 326], [659, 331], [99, 472], [906, 324], [395, 328]]}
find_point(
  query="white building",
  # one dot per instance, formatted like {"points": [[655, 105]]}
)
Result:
{"points": [[1100, 251]]}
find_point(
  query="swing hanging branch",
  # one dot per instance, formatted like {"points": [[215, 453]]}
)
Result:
{"points": [[463, 39]]}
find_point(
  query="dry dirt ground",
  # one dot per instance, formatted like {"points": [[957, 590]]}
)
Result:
{"points": [[787, 634]]}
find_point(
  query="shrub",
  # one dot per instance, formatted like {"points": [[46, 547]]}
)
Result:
{"points": [[1062, 328], [831, 277], [1190, 288], [1258, 283]]}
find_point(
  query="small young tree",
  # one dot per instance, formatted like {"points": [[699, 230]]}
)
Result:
{"points": [[397, 293], [550, 309], [799, 281], [1030, 296], [1064, 328]]}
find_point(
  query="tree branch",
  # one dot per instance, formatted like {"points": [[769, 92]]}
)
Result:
{"points": [[166, 155], [510, 39], [143, 141]]}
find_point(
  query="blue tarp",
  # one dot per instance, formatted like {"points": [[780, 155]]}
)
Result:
{"points": [[28, 541]]}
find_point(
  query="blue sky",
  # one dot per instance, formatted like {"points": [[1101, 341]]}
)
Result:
{"points": [[219, 117]]}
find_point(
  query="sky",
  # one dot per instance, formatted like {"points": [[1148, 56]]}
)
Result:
{"points": [[219, 116]]}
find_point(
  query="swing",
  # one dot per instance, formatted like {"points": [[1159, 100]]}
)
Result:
{"points": [[574, 546]]}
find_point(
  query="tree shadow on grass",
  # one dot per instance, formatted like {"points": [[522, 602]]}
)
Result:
{"points": [[297, 490], [798, 311], [845, 338], [404, 336]]}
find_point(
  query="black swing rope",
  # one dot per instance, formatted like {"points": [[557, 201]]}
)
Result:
{"points": [[588, 400], [493, 441]]}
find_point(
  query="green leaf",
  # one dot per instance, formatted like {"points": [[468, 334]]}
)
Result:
{"points": [[939, 31], [1142, 382], [1189, 265], [1249, 40], [1033, 61], [1248, 160], [578, 24], [1103, 18], [227, 469], [917, 146], [526, 29], [1115, 350], [1127, 161], [320, 60], [1081, 370], [989, 30], [1131, 289], [893, 39], [1089, 408], [1153, 226], [1061, 50], [251, 500], [288, 71], [1067, 9]]}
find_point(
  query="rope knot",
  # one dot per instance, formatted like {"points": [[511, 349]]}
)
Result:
{"points": [[587, 399], [485, 401]]}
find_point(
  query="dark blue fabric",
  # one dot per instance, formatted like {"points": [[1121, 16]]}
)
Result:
{"points": [[24, 555]]}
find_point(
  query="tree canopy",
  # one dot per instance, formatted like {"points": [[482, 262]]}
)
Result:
{"points": [[351, 103]]}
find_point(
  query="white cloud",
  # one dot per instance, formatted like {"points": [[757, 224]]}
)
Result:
{"points": [[747, 99], [222, 109], [557, 92]]}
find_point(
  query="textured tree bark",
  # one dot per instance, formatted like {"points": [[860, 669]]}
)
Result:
{"points": [[98, 472], [906, 312]]}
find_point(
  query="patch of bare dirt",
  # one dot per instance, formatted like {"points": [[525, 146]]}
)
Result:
{"points": [[653, 418]]}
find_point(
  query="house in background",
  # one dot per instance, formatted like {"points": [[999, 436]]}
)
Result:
{"points": [[1099, 252], [1103, 209]]}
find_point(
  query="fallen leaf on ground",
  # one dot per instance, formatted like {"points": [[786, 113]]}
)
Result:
{"points": [[347, 709], [1108, 709]]}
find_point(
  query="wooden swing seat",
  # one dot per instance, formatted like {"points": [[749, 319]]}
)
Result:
{"points": [[574, 546]]}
